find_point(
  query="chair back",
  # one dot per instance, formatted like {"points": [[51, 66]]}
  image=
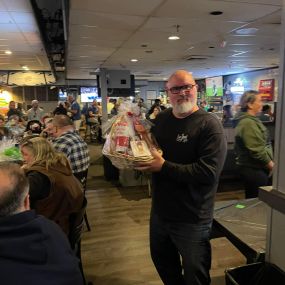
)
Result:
{"points": [[76, 226], [82, 177]]}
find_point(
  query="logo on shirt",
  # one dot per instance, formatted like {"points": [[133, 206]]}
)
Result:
{"points": [[182, 138]]}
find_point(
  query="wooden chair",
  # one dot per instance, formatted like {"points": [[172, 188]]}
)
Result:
{"points": [[76, 228], [82, 177], [92, 132]]}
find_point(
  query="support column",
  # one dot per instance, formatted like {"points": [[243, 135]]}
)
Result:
{"points": [[104, 93]]}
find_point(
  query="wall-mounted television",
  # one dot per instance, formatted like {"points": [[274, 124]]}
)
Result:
{"points": [[62, 94], [214, 86], [88, 94]]}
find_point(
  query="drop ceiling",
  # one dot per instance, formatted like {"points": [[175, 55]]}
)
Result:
{"points": [[109, 33], [19, 33]]}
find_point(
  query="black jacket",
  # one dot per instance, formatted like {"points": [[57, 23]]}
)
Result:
{"points": [[34, 250]]}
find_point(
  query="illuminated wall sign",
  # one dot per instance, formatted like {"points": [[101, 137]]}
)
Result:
{"points": [[237, 89], [266, 88]]}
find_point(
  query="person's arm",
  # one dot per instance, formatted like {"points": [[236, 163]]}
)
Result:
{"points": [[91, 114], [270, 165], [39, 187], [74, 109], [211, 151], [253, 139]]}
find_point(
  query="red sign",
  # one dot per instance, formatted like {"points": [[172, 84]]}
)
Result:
{"points": [[266, 89]]}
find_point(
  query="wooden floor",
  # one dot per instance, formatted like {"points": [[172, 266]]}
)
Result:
{"points": [[116, 251]]}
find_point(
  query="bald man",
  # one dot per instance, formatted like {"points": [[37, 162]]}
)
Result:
{"points": [[33, 250], [185, 179], [35, 113]]}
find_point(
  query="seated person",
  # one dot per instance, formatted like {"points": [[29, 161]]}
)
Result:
{"points": [[13, 110], [15, 126], [154, 113], [227, 120], [115, 109], [34, 127], [92, 114], [54, 192], [34, 250], [157, 103], [60, 109], [4, 131], [266, 114]]}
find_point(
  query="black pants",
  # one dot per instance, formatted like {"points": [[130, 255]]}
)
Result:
{"points": [[253, 178]]}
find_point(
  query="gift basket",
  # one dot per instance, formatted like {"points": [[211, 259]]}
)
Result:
{"points": [[128, 140]]}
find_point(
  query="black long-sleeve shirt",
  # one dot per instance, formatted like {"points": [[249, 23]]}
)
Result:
{"points": [[194, 149]]}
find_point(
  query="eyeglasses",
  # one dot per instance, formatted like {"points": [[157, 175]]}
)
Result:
{"points": [[178, 89]]}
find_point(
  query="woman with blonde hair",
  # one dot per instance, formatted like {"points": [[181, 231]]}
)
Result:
{"points": [[54, 192]]}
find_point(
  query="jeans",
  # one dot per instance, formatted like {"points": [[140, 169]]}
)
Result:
{"points": [[180, 247]]}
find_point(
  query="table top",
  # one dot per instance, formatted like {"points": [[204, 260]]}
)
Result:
{"points": [[246, 219]]}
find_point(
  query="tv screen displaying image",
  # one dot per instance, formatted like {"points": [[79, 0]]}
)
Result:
{"points": [[88, 94], [62, 94], [214, 86]]}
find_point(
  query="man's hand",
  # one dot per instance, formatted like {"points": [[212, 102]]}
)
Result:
{"points": [[153, 165]]}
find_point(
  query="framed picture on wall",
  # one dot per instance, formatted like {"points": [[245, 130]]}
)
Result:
{"points": [[151, 94]]}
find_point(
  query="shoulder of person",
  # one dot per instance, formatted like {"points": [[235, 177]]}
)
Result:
{"points": [[210, 121], [249, 120]]}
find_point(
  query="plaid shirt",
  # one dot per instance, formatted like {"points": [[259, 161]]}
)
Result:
{"points": [[75, 148]]}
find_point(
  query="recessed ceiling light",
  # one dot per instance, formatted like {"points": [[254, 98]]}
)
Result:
{"points": [[134, 60], [211, 47], [174, 38], [25, 67], [8, 52], [148, 51], [144, 45], [216, 13]]}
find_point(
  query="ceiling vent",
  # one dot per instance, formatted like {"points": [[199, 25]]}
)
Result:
{"points": [[196, 57], [143, 75], [153, 72]]}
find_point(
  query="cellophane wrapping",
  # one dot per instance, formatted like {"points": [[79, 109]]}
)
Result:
{"points": [[128, 138]]}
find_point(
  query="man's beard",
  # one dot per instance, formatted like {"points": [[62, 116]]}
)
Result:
{"points": [[183, 108]]}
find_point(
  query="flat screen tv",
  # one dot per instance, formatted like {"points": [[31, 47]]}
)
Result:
{"points": [[88, 94], [62, 94], [214, 86]]}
